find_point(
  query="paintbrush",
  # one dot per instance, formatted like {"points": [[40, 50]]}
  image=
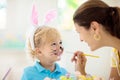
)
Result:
{"points": [[86, 54]]}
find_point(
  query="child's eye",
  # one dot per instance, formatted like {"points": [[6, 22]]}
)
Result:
{"points": [[53, 44], [60, 42]]}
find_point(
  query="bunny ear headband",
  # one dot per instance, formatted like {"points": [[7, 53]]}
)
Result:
{"points": [[50, 15]]}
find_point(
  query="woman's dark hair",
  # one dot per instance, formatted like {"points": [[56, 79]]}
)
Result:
{"points": [[107, 16]]}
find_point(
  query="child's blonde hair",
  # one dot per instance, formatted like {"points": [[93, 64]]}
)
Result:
{"points": [[42, 36]]}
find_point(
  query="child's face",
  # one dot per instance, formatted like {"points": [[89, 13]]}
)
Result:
{"points": [[51, 52]]}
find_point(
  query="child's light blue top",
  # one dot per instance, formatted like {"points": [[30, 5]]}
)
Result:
{"points": [[38, 72]]}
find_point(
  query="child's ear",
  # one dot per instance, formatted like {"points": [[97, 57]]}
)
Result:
{"points": [[37, 50], [95, 27]]}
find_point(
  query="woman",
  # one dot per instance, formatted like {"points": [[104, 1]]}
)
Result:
{"points": [[98, 25]]}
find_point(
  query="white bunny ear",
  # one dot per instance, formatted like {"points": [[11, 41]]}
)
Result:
{"points": [[34, 16], [34, 21], [50, 15], [31, 37]]}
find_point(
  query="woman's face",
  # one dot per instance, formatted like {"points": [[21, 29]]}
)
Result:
{"points": [[87, 35], [51, 51]]}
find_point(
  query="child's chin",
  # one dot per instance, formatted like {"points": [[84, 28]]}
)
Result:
{"points": [[58, 58]]}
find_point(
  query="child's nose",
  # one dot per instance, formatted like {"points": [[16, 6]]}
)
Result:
{"points": [[61, 48]]}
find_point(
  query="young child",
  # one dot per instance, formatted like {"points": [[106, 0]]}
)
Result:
{"points": [[46, 47]]}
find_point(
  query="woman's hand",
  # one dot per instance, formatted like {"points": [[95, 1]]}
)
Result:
{"points": [[80, 62]]}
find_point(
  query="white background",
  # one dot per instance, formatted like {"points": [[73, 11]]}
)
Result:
{"points": [[18, 20]]}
